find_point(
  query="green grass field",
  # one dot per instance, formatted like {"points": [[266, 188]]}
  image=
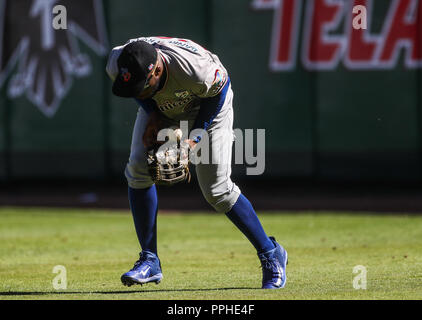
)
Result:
{"points": [[205, 257]]}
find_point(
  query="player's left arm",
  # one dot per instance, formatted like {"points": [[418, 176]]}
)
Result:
{"points": [[212, 97], [154, 123]]}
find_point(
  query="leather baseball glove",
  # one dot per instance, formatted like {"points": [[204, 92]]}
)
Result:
{"points": [[168, 164]]}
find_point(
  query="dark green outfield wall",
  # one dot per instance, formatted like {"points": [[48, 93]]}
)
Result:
{"points": [[324, 122]]}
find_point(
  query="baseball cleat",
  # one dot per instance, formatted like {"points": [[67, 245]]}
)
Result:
{"points": [[146, 269], [273, 265]]}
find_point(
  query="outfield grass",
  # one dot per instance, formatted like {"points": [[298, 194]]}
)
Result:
{"points": [[205, 257]]}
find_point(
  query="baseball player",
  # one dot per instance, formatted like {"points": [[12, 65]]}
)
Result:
{"points": [[175, 79]]}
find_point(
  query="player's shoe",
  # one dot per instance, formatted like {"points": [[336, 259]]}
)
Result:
{"points": [[273, 265], [146, 269]]}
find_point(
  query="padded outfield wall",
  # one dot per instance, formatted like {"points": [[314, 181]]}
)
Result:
{"points": [[336, 103]]}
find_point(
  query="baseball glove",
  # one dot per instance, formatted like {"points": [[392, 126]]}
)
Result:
{"points": [[169, 165]]}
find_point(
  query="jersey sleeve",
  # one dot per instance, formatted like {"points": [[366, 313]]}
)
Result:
{"points": [[210, 83]]}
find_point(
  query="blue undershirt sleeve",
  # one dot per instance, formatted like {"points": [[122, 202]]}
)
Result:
{"points": [[209, 109]]}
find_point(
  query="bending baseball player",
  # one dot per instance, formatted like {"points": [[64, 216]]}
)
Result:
{"points": [[172, 80]]}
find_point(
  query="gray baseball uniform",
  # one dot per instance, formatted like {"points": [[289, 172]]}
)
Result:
{"points": [[193, 75]]}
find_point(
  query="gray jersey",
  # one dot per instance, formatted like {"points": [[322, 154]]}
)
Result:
{"points": [[192, 73]]}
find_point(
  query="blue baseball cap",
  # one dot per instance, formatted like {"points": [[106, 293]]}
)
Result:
{"points": [[135, 62]]}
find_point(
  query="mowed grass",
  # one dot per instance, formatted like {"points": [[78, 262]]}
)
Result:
{"points": [[205, 257]]}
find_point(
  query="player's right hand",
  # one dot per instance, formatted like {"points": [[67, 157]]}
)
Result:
{"points": [[149, 138]]}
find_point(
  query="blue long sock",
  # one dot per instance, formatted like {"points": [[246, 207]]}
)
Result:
{"points": [[144, 207], [245, 219]]}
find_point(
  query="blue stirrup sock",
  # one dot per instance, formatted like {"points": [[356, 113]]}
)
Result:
{"points": [[144, 207], [244, 217]]}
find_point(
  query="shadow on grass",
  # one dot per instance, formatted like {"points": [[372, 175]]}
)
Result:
{"points": [[39, 293]]}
